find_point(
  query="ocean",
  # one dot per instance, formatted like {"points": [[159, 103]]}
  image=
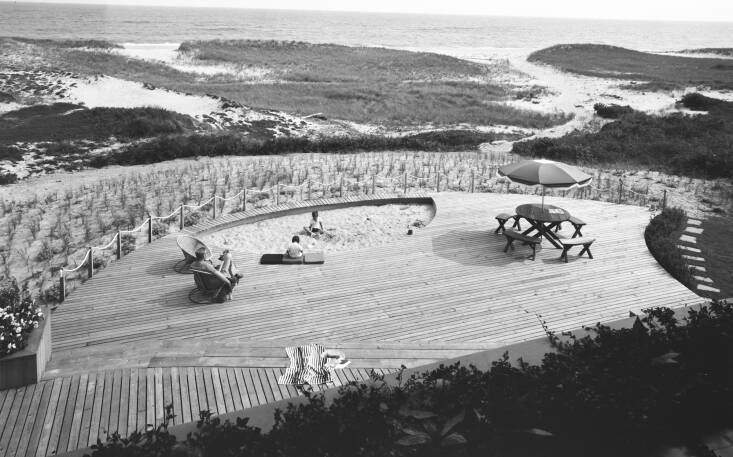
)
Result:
{"points": [[465, 36]]}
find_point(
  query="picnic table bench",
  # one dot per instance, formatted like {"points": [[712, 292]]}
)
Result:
{"points": [[503, 218], [512, 236], [580, 241]]}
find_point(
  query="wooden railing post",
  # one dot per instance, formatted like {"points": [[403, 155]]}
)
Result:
{"points": [[62, 286], [90, 264], [472, 178], [620, 188], [405, 183], [309, 188], [437, 182], [181, 217], [244, 199], [277, 192], [119, 245], [214, 207], [341, 186], [374, 183], [150, 228], [664, 199]]}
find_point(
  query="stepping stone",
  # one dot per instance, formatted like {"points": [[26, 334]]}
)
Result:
{"points": [[702, 279], [705, 288], [698, 268], [693, 258], [694, 230], [688, 239], [694, 222], [688, 248]]}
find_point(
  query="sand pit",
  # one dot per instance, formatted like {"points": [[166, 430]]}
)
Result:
{"points": [[349, 228]]}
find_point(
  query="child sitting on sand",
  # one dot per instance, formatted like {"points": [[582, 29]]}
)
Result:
{"points": [[295, 250], [315, 227]]}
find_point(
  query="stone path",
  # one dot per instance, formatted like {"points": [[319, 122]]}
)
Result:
{"points": [[693, 256]]}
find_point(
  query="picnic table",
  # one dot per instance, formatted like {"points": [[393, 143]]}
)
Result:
{"points": [[543, 219]]}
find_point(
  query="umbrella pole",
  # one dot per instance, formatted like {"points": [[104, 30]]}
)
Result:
{"points": [[543, 198]]}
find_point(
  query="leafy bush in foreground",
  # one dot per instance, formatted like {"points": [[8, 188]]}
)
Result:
{"points": [[661, 237], [614, 392], [18, 317]]}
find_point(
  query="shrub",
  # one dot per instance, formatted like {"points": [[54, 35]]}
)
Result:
{"points": [[8, 178], [160, 228], [192, 218], [128, 243], [46, 252], [18, 316], [661, 237], [612, 111]]}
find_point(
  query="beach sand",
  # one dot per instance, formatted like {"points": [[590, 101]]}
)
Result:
{"points": [[349, 228]]}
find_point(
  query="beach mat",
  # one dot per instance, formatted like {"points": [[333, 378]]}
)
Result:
{"points": [[277, 259]]}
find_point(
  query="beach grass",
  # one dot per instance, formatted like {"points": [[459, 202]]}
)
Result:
{"points": [[363, 85], [661, 71], [718, 252]]}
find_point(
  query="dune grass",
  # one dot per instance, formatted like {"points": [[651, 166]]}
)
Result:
{"points": [[365, 85], [662, 71]]}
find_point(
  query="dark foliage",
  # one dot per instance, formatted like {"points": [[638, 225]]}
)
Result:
{"points": [[661, 237], [66, 121], [179, 146], [8, 178], [696, 146], [661, 382], [612, 111]]}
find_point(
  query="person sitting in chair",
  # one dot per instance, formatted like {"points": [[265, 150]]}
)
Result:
{"points": [[227, 267], [294, 250], [205, 265], [316, 226]]}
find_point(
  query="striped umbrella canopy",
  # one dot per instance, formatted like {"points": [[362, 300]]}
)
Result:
{"points": [[546, 173]]}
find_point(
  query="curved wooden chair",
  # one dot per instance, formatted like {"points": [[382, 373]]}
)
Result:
{"points": [[208, 287], [189, 245]]}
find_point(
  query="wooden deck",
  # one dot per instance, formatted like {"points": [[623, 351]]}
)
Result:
{"points": [[446, 291]]}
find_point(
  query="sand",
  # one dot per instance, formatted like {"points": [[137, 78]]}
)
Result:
{"points": [[349, 229]]}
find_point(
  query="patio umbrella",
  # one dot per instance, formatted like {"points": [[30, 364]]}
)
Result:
{"points": [[546, 173]]}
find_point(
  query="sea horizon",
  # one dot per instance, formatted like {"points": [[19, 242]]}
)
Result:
{"points": [[168, 24]]}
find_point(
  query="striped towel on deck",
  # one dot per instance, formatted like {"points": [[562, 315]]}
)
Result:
{"points": [[307, 366]]}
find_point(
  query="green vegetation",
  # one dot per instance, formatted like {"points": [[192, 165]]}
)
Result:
{"points": [[715, 244], [18, 316], [90, 44], [65, 121], [367, 85], [662, 235], [695, 146], [720, 51], [179, 146], [661, 71], [612, 111], [614, 392]]}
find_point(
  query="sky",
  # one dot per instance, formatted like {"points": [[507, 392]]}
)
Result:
{"points": [[683, 10]]}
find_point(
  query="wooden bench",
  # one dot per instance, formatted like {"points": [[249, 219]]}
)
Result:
{"points": [[577, 225], [503, 218], [512, 236], [569, 243]]}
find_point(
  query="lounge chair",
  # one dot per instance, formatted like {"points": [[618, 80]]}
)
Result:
{"points": [[189, 245], [208, 287]]}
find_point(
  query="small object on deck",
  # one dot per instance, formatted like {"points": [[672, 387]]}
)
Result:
{"points": [[567, 244], [503, 218], [512, 236], [309, 258]]}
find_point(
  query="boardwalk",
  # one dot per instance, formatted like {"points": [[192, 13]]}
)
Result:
{"points": [[446, 291]]}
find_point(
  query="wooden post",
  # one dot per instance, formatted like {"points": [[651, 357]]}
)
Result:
{"points": [[405, 187], [277, 192], [150, 228], [301, 193], [620, 188], [244, 199], [309, 188], [214, 207], [664, 199], [119, 245], [181, 211], [62, 286], [437, 182], [90, 265], [341, 187], [472, 178], [374, 182], [507, 187]]}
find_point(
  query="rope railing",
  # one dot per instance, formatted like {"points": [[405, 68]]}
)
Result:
{"points": [[468, 180]]}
